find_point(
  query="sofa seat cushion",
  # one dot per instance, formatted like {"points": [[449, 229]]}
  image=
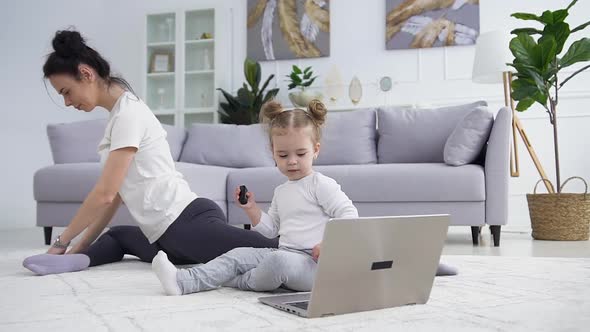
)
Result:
{"points": [[422, 182], [72, 182], [262, 181], [427, 182]]}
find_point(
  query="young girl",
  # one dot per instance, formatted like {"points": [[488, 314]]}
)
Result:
{"points": [[138, 170], [298, 213]]}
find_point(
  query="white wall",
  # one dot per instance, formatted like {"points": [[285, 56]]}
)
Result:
{"points": [[427, 76]]}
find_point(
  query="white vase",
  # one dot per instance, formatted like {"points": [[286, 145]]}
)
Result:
{"points": [[303, 97]]}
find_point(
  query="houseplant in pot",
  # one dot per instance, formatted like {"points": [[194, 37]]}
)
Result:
{"points": [[302, 79], [539, 57], [244, 108]]}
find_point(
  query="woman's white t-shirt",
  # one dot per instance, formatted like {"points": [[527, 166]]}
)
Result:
{"points": [[153, 191]]}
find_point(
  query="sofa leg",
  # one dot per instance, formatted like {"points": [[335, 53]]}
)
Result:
{"points": [[495, 229], [475, 231], [47, 232]]}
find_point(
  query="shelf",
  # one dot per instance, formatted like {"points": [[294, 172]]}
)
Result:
{"points": [[200, 110], [161, 44], [199, 41], [200, 72], [163, 74], [163, 111]]}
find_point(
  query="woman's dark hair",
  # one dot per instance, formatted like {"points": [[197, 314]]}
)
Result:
{"points": [[70, 50]]}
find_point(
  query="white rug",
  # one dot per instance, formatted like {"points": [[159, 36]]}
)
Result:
{"points": [[490, 294]]}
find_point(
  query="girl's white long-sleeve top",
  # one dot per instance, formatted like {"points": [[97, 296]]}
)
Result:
{"points": [[300, 210]]}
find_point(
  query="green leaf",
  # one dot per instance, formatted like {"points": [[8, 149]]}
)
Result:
{"points": [[266, 83], [296, 70], [538, 80], [524, 104], [560, 15], [307, 70], [579, 51], [546, 47], [527, 17], [295, 78], [291, 86], [547, 17], [245, 97], [528, 31], [581, 27], [571, 4], [560, 31], [523, 49], [522, 89], [308, 83], [540, 98], [307, 76]]}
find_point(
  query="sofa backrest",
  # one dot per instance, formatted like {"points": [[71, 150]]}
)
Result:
{"points": [[77, 142], [349, 138], [417, 135], [227, 145]]}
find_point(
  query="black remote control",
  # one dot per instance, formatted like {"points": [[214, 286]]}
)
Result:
{"points": [[243, 199]]}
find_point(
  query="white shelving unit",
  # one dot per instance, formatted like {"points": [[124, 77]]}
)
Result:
{"points": [[180, 74]]}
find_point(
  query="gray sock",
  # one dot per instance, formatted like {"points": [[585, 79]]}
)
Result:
{"points": [[446, 270], [52, 264]]}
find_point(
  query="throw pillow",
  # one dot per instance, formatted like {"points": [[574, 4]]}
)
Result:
{"points": [[469, 137]]}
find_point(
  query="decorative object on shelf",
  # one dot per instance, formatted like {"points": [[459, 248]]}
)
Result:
{"points": [[537, 64], [302, 79], [161, 92], [161, 62], [430, 23], [170, 29], [385, 83], [206, 35], [333, 83], [304, 26], [206, 59], [355, 90], [244, 108]]}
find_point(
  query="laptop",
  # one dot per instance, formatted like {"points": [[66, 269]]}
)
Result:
{"points": [[371, 263]]}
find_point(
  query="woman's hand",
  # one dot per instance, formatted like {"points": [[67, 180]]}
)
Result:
{"points": [[315, 252], [251, 200], [56, 251]]}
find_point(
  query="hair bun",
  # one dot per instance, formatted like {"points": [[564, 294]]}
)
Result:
{"points": [[318, 111], [68, 43]]}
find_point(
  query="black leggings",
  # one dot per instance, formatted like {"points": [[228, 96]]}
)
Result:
{"points": [[198, 235]]}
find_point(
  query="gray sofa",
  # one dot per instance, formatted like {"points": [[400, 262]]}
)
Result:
{"points": [[393, 168]]}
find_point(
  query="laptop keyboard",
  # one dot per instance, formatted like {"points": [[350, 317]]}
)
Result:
{"points": [[301, 305]]}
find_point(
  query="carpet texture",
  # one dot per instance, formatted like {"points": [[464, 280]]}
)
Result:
{"points": [[490, 294]]}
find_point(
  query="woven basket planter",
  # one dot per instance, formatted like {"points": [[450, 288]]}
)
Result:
{"points": [[561, 217]]}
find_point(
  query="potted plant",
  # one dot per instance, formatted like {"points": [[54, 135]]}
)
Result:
{"points": [[302, 79], [244, 108], [538, 60]]}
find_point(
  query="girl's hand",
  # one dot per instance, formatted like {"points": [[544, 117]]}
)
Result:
{"points": [[315, 252], [251, 201]]}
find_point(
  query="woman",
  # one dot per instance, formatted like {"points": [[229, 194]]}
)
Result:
{"points": [[138, 170]]}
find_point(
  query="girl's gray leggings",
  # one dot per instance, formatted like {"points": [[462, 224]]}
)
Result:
{"points": [[255, 269]]}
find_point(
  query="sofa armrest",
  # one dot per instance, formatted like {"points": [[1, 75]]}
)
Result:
{"points": [[497, 168]]}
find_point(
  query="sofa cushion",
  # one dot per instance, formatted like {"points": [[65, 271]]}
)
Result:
{"points": [[469, 137], [417, 135], [349, 138], [423, 182], [77, 142], [227, 145], [72, 182]]}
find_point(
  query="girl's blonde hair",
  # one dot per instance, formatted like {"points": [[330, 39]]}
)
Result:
{"points": [[274, 116]]}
